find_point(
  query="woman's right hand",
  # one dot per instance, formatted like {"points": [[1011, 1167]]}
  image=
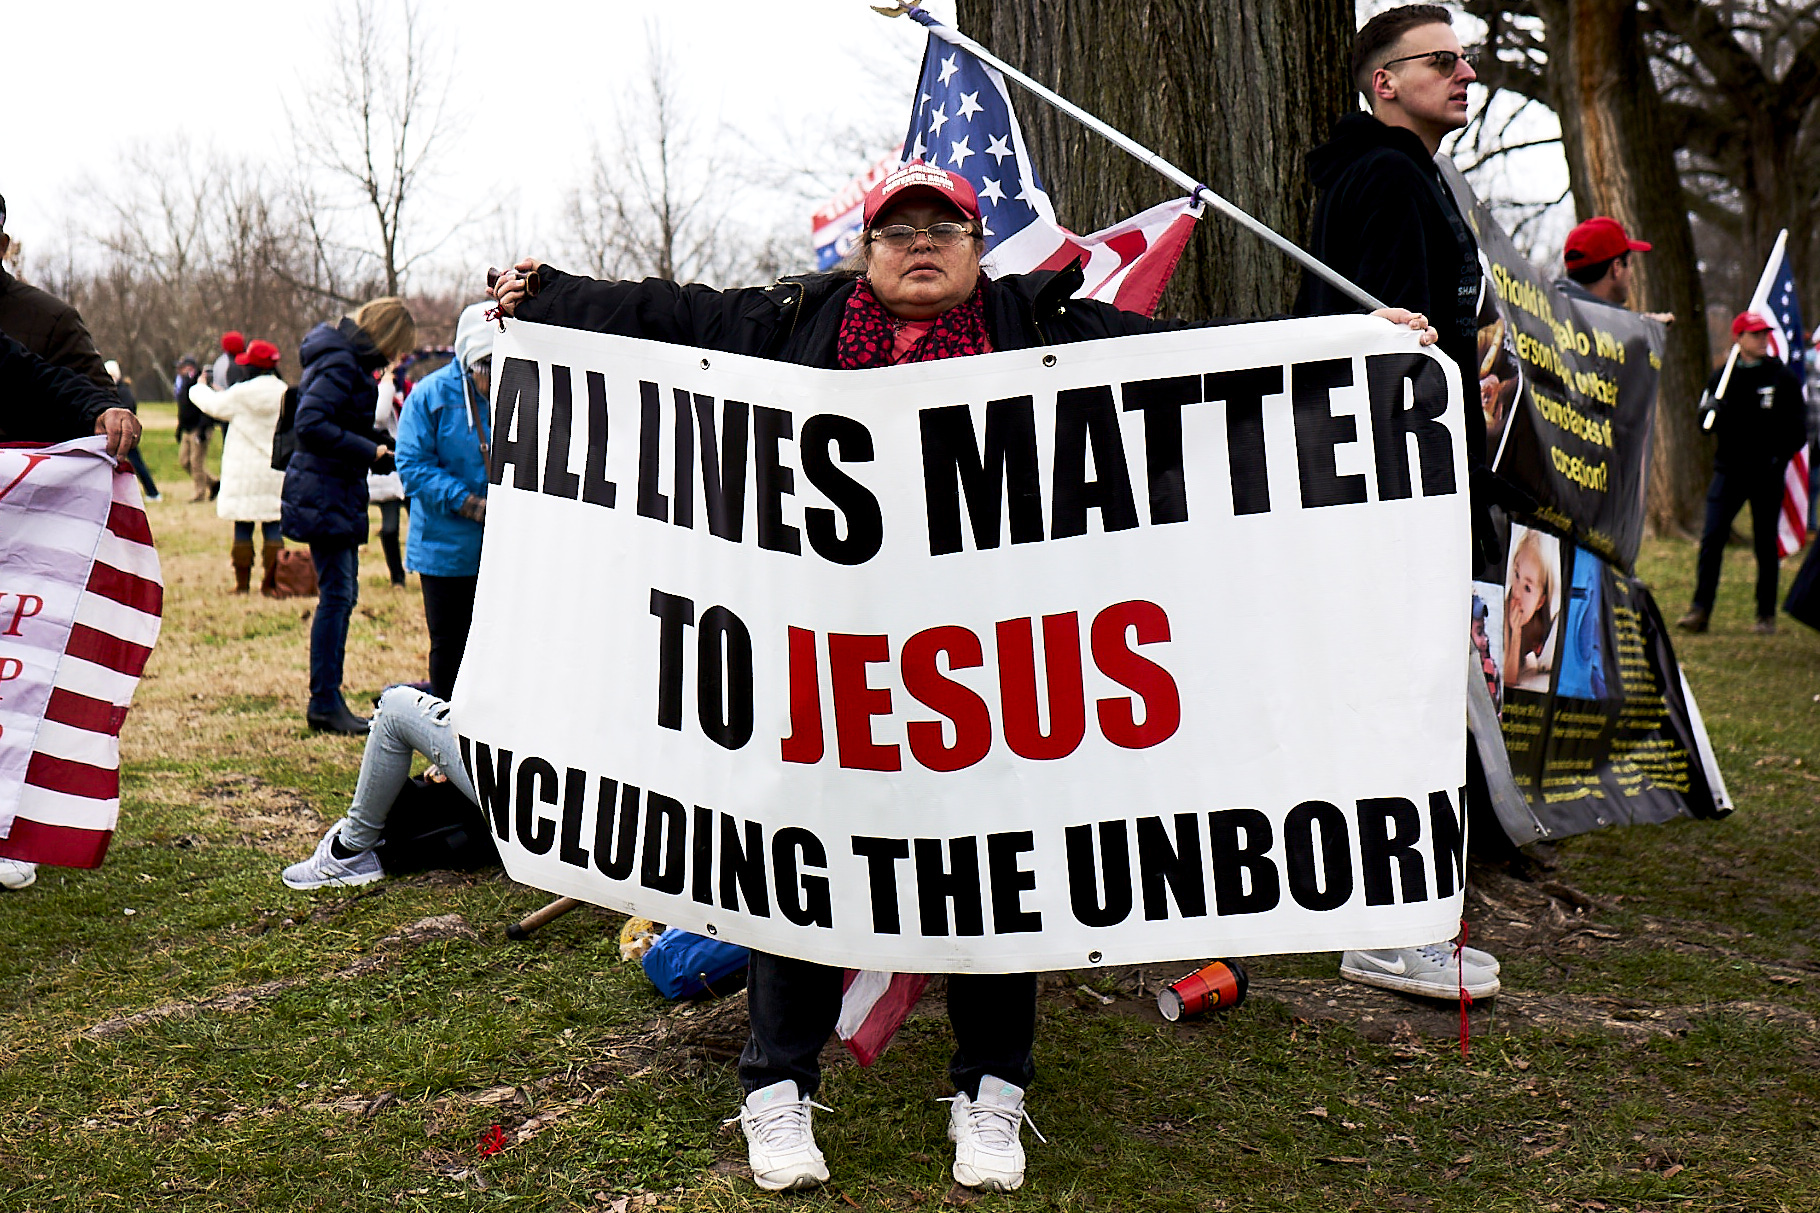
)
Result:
{"points": [[514, 286], [380, 452]]}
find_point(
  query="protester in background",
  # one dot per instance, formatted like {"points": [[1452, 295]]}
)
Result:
{"points": [[1761, 423], [227, 371], [123, 390], [1386, 220], [442, 457], [1597, 256], [249, 487], [385, 489], [193, 425], [921, 297], [325, 488]]}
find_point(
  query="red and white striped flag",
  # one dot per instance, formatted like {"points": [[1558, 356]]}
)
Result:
{"points": [[81, 602]]}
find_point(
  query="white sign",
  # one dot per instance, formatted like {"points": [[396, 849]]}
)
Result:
{"points": [[1124, 651]]}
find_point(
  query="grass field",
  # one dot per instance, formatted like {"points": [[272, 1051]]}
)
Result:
{"points": [[179, 1031]]}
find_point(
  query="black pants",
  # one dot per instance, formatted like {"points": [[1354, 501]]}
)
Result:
{"points": [[1728, 494], [448, 610], [793, 1006]]}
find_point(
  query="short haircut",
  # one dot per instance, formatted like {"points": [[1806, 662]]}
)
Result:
{"points": [[1383, 32], [388, 322], [1586, 275]]}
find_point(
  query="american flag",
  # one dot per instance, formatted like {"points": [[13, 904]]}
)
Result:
{"points": [[1775, 301], [81, 603], [962, 120]]}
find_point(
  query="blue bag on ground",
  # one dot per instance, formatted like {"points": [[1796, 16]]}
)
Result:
{"points": [[682, 964]]}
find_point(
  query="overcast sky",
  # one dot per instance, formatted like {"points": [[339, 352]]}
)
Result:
{"points": [[221, 73]]}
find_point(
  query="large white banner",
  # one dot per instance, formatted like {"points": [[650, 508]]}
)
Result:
{"points": [[1126, 651]]}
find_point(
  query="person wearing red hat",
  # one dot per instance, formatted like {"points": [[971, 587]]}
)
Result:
{"points": [[1760, 422], [919, 296], [1597, 257], [249, 486]]}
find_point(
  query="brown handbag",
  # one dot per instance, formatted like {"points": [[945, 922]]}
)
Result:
{"points": [[296, 574]]}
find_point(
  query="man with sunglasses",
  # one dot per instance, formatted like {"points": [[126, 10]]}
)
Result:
{"points": [[1386, 220]]}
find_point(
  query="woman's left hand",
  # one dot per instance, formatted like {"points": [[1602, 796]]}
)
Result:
{"points": [[1414, 320]]}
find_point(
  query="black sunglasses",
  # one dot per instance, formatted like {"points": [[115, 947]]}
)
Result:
{"points": [[1441, 61]]}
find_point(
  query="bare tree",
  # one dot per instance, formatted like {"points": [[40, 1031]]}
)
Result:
{"points": [[374, 129]]}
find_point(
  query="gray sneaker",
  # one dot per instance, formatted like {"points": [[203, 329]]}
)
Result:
{"points": [[1431, 970], [324, 867]]}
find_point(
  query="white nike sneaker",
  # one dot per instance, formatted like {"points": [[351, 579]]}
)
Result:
{"points": [[1431, 970], [780, 1141], [17, 874], [987, 1152]]}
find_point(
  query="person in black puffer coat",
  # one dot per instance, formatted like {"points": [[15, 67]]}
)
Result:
{"points": [[325, 485]]}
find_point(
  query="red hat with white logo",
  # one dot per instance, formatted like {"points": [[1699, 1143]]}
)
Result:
{"points": [[917, 177], [260, 354], [1599, 239], [1749, 322]]}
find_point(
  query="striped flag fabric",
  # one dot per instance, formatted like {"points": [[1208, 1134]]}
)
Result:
{"points": [[81, 603], [873, 1006], [837, 221], [1775, 301], [962, 121]]}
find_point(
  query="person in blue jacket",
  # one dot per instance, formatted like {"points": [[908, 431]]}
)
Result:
{"points": [[325, 484], [442, 459]]}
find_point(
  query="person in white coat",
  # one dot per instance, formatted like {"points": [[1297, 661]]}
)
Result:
{"points": [[385, 489], [249, 487]]}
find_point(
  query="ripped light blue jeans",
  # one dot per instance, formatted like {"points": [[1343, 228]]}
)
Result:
{"points": [[408, 721]]}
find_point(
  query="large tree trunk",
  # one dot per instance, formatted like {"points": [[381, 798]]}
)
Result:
{"points": [[1233, 93], [1621, 163]]}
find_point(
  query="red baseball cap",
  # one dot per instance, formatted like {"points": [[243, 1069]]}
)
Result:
{"points": [[1749, 322], [232, 342], [1599, 239], [261, 354], [919, 177]]}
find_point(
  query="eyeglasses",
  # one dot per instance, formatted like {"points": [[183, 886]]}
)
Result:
{"points": [[900, 236], [1441, 61]]}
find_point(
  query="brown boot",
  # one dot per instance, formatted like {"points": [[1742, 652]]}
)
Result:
{"points": [[1695, 620], [243, 566], [269, 586]]}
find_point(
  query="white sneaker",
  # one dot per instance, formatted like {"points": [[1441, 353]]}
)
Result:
{"points": [[17, 874], [987, 1153], [780, 1141], [1431, 970], [324, 867]]}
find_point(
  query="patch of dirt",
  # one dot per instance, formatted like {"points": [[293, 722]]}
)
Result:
{"points": [[427, 930], [278, 821]]}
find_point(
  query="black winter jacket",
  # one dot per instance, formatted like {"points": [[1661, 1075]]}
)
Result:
{"points": [[325, 484], [1762, 419], [40, 402], [51, 329], [797, 319]]}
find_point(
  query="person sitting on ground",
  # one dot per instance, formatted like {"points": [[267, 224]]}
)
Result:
{"points": [[921, 296], [406, 722], [249, 487]]}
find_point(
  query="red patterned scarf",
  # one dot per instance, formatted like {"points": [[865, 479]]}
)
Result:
{"points": [[867, 331]]}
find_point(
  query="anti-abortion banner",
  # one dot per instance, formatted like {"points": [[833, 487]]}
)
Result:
{"points": [[1124, 651], [80, 606], [1599, 725], [1568, 388]]}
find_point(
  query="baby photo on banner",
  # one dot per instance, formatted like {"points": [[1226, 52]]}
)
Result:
{"points": [[1037, 659]]}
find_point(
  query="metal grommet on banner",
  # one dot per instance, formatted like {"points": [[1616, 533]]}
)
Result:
{"points": [[710, 927], [1094, 958], [1048, 359], [704, 364]]}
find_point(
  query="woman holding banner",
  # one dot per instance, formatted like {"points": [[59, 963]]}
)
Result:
{"points": [[921, 296]]}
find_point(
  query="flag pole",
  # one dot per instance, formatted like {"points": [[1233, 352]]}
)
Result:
{"points": [[1195, 188]]}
